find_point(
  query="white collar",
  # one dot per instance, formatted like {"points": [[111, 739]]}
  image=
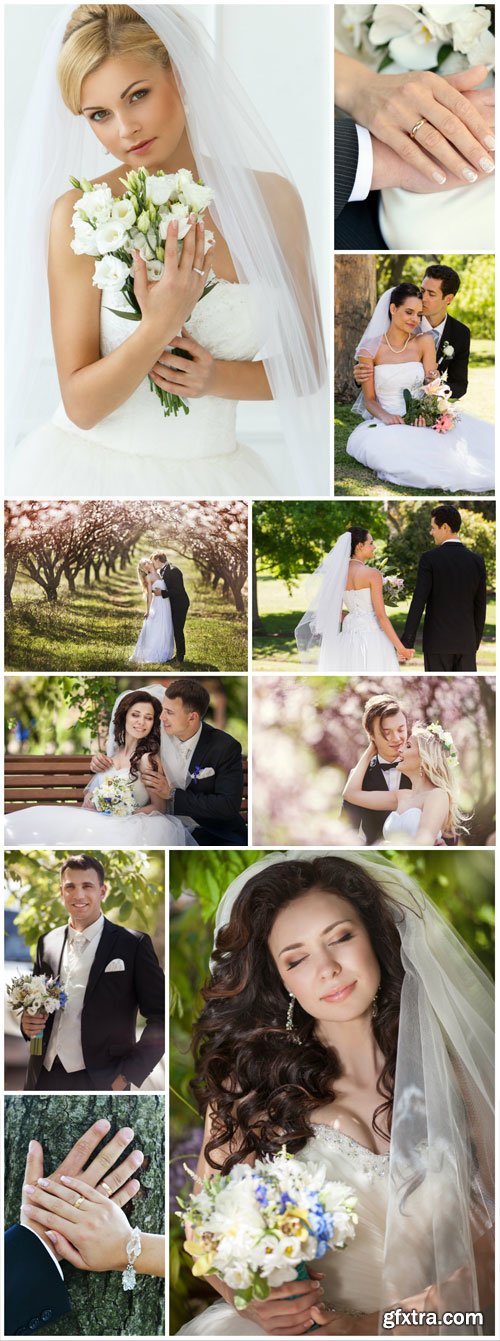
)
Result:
{"points": [[90, 932], [452, 541], [426, 325], [187, 745]]}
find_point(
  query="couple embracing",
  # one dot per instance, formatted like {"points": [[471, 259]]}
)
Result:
{"points": [[167, 604], [411, 344]]}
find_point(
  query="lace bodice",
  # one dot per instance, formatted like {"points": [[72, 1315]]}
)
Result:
{"points": [[391, 379], [222, 322], [359, 605]]}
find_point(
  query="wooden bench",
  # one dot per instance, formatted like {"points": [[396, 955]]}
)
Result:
{"points": [[48, 779]]}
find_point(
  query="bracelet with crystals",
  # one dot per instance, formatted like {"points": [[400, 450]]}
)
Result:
{"points": [[133, 1249]]}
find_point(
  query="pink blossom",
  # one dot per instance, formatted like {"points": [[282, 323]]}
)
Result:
{"points": [[444, 423]]}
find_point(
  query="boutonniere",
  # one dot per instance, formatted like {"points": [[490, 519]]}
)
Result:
{"points": [[199, 773], [448, 351]]}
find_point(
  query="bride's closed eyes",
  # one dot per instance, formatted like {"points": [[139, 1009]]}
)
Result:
{"points": [[347, 936], [101, 113]]}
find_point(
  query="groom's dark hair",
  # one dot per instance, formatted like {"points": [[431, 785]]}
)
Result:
{"points": [[450, 281], [160, 555], [445, 514], [84, 863], [378, 708], [193, 694]]}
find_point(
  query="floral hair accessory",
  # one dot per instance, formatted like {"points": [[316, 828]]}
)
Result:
{"points": [[446, 740]]}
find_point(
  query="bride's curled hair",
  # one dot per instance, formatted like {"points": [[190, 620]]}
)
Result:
{"points": [[261, 1089], [149, 744], [94, 33], [438, 761]]}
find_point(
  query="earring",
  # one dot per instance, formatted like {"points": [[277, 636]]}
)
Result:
{"points": [[375, 1005], [289, 1022]]}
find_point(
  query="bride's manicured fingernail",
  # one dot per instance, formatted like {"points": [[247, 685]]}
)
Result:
{"points": [[487, 164], [27, 1188], [439, 177], [469, 175], [489, 140], [43, 1182], [65, 1179]]}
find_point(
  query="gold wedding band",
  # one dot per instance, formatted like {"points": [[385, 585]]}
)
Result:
{"points": [[417, 127], [78, 1201], [108, 1189]]}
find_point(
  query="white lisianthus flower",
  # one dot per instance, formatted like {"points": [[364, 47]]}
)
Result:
{"points": [[160, 189], [183, 179], [97, 205], [184, 227], [155, 269], [109, 236], [178, 210], [84, 241], [197, 197], [51, 1006], [468, 26], [124, 210], [110, 273]]}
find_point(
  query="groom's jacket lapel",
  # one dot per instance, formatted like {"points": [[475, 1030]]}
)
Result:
{"points": [[103, 955], [204, 749]]}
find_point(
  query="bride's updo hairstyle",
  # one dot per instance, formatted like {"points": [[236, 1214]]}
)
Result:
{"points": [[94, 33], [358, 537], [260, 1087], [438, 761], [149, 744], [403, 291]]}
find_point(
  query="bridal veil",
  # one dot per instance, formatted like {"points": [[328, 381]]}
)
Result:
{"points": [[325, 611], [256, 206], [443, 1114]]}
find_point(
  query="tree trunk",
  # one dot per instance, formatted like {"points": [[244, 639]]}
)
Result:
{"points": [[100, 1307], [87, 575], [10, 577], [257, 625], [355, 299], [70, 578]]}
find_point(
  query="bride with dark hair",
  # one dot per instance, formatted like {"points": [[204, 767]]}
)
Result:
{"points": [[345, 1019]]}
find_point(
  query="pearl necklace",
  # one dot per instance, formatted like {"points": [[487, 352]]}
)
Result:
{"points": [[397, 351]]}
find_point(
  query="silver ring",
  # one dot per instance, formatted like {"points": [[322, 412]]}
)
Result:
{"points": [[196, 271]]}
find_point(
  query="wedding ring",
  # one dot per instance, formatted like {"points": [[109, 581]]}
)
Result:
{"points": [[200, 272], [417, 127], [107, 1187], [78, 1201]]}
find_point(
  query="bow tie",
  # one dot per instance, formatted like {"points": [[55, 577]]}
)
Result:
{"points": [[387, 767]]}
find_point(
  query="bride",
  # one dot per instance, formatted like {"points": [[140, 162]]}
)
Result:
{"points": [[362, 639], [156, 639], [429, 809], [344, 1018], [136, 748], [407, 454], [143, 82]]}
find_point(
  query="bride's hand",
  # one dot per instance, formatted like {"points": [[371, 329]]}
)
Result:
{"points": [[418, 423], [192, 377], [168, 302], [389, 418], [279, 1314], [92, 1235], [338, 1324], [454, 135]]}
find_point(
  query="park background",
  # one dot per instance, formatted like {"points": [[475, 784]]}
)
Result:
{"points": [[359, 282], [461, 884], [73, 600], [308, 735], [99, 1304], [135, 899], [291, 539]]}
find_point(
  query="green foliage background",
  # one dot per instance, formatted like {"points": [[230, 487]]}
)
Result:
{"points": [[475, 301]]}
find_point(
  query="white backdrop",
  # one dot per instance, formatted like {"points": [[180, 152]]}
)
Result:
{"points": [[281, 55]]}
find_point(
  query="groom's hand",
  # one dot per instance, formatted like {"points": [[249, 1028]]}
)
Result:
{"points": [[99, 762], [157, 784]]}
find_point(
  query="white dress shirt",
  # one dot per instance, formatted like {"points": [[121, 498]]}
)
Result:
{"points": [[176, 757], [435, 331], [78, 956], [392, 776], [364, 171]]}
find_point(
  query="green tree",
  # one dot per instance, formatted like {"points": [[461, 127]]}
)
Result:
{"points": [[411, 538], [99, 1304], [474, 303]]}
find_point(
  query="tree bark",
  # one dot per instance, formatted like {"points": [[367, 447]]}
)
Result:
{"points": [[257, 625], [100, 1307], [10, 577], [355, 299]]}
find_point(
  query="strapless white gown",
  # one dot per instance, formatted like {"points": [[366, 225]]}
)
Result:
{"points": [[353, 1277], [135, 450], [464, 458], [63, 825], [156, 639], [361, 645], [404, 825]]}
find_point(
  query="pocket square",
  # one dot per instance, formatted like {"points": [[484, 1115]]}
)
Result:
{"points": [[199, 773], [115, 966]]}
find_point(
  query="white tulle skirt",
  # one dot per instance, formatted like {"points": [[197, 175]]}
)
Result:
{"points": [[61, 825], [361, 646], [464, 458]]}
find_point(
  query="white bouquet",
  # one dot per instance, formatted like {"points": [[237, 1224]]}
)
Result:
{"points": [[114, 796], [36, 994], [256, 1227], [440, 37], [112, 227]]}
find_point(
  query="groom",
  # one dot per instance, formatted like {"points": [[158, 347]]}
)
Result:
{"points": [[179, 600], [386, 726], [110, 975], [451, 588], [451, 337]]}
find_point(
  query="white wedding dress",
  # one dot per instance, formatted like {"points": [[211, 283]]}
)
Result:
{"points": [[404, 825], [66, 824], [156, 639], [361, 645], [463, 459], [136, 450], [353, 1277]]}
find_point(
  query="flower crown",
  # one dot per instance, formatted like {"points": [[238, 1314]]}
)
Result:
{"points": [[446, 740]]}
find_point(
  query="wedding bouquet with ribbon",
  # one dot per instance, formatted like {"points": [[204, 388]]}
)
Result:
{"points": [[111, 228], [257, 1227], [432, 404], [114, 796], [36, 995]]}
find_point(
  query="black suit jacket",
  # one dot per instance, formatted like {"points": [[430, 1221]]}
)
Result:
{"points": [[455, 333], [356, 225], [111, 1004], [175, 590], [35, 1293], [372, 821], [215, 802], [451, 587]]}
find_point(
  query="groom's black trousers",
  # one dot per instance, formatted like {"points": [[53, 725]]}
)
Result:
{"points": [[180, 641], [450, 661]]}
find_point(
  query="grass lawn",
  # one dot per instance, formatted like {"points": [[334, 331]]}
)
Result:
{"points": [[275, 649], [96, 628], [355, 480]]}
